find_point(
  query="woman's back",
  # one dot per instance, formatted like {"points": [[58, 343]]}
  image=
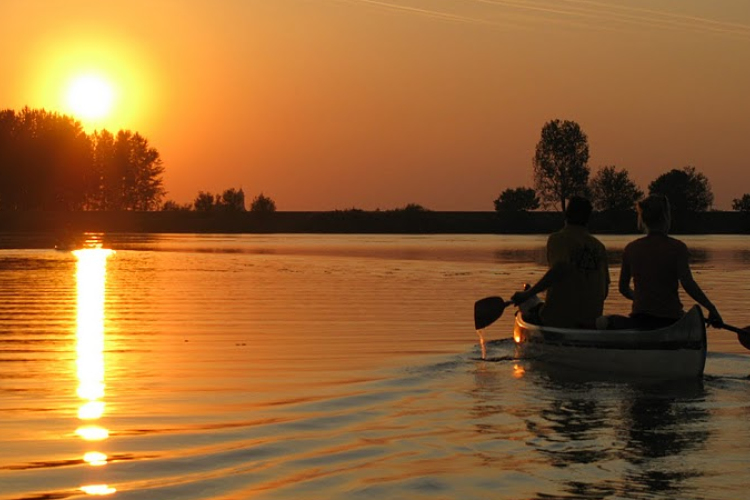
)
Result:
{"points": [[656, 262]]}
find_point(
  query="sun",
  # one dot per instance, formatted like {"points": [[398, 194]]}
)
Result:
{"points": [[102, 83], [90, 97]]}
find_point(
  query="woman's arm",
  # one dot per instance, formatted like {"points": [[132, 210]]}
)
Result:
{"points": [[624, 282], [696, 293]]}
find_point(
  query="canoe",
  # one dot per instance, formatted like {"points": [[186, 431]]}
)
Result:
{"points": [[675, 352]]}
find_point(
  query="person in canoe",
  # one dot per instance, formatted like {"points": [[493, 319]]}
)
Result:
{"points": [[577, 281], [657, 265]]}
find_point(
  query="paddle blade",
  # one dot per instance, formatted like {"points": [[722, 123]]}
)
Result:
{"points": [[744, 338], [743, 334], [487, 311]]}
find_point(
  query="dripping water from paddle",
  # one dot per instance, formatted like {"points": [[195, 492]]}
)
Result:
{"points": [[480, 332]]}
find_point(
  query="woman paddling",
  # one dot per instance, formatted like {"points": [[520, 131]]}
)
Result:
{"points": [[657, 264]]}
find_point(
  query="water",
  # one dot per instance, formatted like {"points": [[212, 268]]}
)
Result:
{"points": [[338, 367]]}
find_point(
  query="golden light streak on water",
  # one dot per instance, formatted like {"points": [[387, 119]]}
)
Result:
{"points": [[95, 458], [91, 273], [518, 371], [92, 410], [91, 390], [98, 489], [92, 433]]}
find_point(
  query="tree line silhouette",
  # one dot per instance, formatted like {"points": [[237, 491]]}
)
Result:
{"points": [[561, 171], [48, 162], [230, 201]]}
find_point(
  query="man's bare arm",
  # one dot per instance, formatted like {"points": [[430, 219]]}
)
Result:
{"points": [[553, 275]]}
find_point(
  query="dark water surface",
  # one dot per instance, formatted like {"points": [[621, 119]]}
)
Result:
{"points": [[338, 367]]}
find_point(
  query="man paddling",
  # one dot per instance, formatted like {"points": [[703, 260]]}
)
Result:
{"points": [[577, 281]]}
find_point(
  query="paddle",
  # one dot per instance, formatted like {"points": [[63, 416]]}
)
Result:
{"points": [[743, 334], [488, 310]]}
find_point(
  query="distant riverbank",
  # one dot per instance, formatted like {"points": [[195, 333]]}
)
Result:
{"points": [[355, 221]]}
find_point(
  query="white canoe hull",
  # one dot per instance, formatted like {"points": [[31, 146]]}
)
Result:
{"points": [[675, 352]]}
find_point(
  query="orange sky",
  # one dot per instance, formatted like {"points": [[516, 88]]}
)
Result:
{"points": [[334, 104]]}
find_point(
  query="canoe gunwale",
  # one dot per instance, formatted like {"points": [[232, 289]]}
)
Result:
{"points": [[635, 346], [667, 338]]}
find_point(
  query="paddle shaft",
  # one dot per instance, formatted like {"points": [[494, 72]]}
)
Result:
{"points": [[738, 331], [734, 329]]}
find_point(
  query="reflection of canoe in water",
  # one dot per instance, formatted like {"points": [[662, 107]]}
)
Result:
{"points": [[674, 352]]}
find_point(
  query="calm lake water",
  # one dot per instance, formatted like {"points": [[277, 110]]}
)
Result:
{"points": [[338, 367]]}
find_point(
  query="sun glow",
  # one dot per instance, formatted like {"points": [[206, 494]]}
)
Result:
{"points": [[90, 97], [104, 81]]}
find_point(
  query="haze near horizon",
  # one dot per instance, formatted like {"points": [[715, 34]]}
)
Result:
{"points": [[334, 104]]}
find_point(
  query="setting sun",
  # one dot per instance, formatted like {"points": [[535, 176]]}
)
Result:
{"points": [[90, 97], [104, 82]]}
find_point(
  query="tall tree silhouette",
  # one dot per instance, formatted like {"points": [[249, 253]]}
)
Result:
{"points": [[135, 181], [48, 162], [44, 158], [102, 172], [561, 163]]}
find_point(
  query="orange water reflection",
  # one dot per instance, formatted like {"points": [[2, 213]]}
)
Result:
{"points": [[91, 273], [98, 489]]}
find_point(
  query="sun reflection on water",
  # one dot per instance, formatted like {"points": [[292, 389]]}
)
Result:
{"points": [[91, 272], [98, 489], [92, 433], [95, 458]]}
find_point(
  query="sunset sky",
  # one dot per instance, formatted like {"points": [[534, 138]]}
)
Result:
{"points": [[334, 104]]}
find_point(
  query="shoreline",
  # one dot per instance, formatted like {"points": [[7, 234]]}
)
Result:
{"points": [[354, 221]]}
